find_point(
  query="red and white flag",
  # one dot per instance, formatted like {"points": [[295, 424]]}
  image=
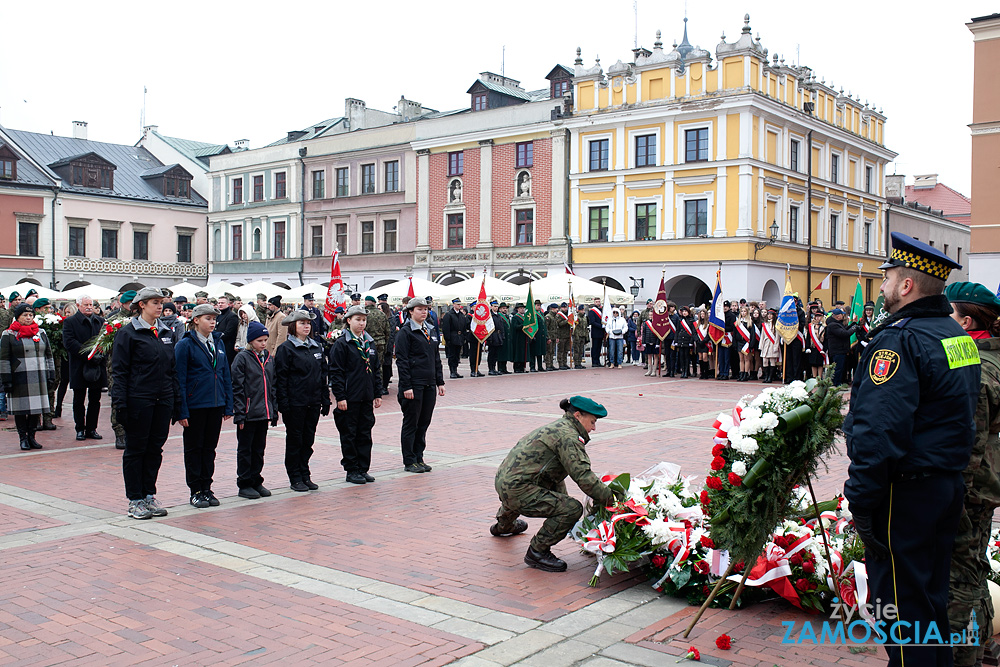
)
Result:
{"points": [[482, 318], [335, 292], [568, 269], [410, 294], [824, 284]]}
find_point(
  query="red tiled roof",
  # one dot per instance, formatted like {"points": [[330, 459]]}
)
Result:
{"points": [[956, 206]]}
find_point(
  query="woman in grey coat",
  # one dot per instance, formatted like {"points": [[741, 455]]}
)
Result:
{"points": [[26, 371]]}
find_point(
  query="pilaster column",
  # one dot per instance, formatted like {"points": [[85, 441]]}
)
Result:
{"points": [[559, 225], [485, 194], [423, 200]]}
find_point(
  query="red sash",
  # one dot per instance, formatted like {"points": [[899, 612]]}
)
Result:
{"points": [[687, 327], [597, 311], [770, 337], [817, 344], [670, 323], [727, 340], [702, 333], [802, 339], [745, 333], [649, 325], [563, 315]]}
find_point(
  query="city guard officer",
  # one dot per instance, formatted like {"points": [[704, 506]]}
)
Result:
{"points": [[910, 433]]}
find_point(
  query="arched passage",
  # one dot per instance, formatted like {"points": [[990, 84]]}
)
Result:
{"points": [[610, 282], [685, 290], [451, 278], [127, 286], [29, 281], [381, 283], [521, 276], [771, 294], [75, 284]]}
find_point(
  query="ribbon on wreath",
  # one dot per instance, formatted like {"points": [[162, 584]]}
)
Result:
{"points": [[772, 569]]}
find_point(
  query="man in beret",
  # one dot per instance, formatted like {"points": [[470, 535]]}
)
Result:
{"points": [[454, 326], [200, 298], [910, 432], [379, 329], [551, 315], [7, 316], [564, 336]]}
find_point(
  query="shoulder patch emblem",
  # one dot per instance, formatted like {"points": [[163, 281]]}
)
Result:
{"points": [[961, 351], [582, 441], [883, 366]]}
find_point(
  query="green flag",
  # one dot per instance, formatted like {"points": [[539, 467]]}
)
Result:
{"points": [[857, 308], [530, 326], [880, 311]]}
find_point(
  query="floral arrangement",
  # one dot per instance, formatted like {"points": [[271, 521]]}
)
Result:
{"points": [[102, 343], [993, 555], [51, 324]]}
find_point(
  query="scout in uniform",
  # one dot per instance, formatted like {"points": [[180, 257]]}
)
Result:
{"points": [[910, 432], [531, 481]]}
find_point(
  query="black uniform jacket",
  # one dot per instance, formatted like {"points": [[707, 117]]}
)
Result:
{"points": [[454, 325], [300, 374], [142, 365], [253, 387], [913, 401], [77, 330], [417, 358], [355, 370]]}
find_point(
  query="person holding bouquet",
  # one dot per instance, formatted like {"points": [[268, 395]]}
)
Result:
{"points": [[531, 481], [356, 384], [206, 400]]}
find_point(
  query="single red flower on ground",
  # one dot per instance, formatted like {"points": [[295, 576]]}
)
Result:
{"points": [[707, 542], [714, 483], [704, 498], [735, 479], [658, 561], [718, 463], [692, 654], [724, 642]]}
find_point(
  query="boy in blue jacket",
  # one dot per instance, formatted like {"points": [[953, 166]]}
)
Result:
{"points": [[255, 406], [206, 400]]}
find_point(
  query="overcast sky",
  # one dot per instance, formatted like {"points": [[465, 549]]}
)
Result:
{"points": [[220, 71]]}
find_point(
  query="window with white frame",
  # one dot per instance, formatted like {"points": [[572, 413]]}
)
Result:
{"points": [[793, 224], [793, 154], [598, 149], [695, 218], [645, 150], [834, 228], [834, 168]]}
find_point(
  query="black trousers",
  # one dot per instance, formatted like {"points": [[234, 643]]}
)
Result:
{"points": [[300, 434], [920, 535], [63, 383], [793, 364], [596, 345], [250, 443], [355, 425], [147, 426], [454, 354], [839, 368], [201, 437], [87, 407], [493, 358], [417, 413], [26, 424], [386, 375]]}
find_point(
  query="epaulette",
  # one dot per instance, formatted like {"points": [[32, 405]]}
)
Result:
{"points": [[901, 323]]}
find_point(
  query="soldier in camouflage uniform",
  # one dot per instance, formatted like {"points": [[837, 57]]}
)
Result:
{"points": [[550, 336], [125, 315], [564, 333], [581, 334], [261, 308], [531, 481], [976, 308], [377, 327]]}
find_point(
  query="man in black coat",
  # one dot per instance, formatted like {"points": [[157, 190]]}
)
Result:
{"points": [[454, 326], [87, 377], [838, 343], [228, 324], [595, 320], [496, 340]]}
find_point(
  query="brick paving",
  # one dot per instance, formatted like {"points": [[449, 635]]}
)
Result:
{"points": [[401, 572]]}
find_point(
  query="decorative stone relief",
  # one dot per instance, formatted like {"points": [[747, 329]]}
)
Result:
{"points": [[523, 185], [135, 268]]}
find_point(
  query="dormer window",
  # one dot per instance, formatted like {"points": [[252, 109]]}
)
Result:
{"points": [[171, 180], [177, 187], [560, 88], [8, 164], [89, 170], [480, 101]]}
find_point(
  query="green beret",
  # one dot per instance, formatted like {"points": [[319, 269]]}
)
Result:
{"points": [[370, 298], [13, 295], [972, 293], [39, 303], [127, 297], [31, 292], [584, 404]]}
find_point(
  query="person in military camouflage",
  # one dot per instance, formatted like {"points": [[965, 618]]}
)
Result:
{"points": [[531, 481], [976, 308], [581, 334], [379, 329], [550, 337], [563, 333]]}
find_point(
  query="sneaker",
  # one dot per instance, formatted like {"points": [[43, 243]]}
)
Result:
{"points": [[311, 485], [501, 531], [210, 497], [154, 506], [137, 510], [262, 490], [199, 500], [355, 478], [249, 493], [414, 467], [426, 467], [368, 478], [299, 486]]}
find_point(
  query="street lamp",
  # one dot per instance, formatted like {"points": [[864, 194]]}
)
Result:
{"points": [[637, 284], [760, 245]]}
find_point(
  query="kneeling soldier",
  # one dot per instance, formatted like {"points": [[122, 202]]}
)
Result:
{"points": [[531, 481]]}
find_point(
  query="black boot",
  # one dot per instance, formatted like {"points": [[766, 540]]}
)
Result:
{"points": [[704, 370], [32, 427], [684, 372], [23, 436], [544, 561]]}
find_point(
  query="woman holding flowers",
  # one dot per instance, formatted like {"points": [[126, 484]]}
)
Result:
{"points": [[27, 371], [531, 481]]}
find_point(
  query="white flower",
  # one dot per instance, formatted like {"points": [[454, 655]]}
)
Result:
{"points": [[769, 421], [994, 565], [740, 468]]}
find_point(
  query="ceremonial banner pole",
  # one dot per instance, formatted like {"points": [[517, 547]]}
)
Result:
{"points": [[826, 546], [708, 600], [479, 354], [739, 589]]}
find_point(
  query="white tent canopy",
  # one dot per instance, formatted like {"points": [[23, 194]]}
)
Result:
{"points": [[185, 289], [556, 287], [24, 288], [219, 288], [316, 289], [93, 291], [421, 288], [250, 291], [468, 290]]}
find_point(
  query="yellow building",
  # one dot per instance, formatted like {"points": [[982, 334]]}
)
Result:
{"points": [[679, 162]]}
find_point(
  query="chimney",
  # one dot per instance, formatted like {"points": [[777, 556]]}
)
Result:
{"points": [[150, 128], [354, 111], [242, 144], [79, 129], [922, 181], [408, 109], [895, 186]]}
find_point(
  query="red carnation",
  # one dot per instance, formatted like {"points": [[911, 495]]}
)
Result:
{"points": [[735, 479], [692, 654], [108, 328], [701, 567], [802, 585], [718, 463], [118, 324], [724, 642], [714, 483], [796, 559], [707, 542], [705, 590], [704, 498], [808, 567], [659, 561], [717, 450]]}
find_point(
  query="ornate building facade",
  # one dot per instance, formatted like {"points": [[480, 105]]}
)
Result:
{"points": [[984, 260], [680, 161]]}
